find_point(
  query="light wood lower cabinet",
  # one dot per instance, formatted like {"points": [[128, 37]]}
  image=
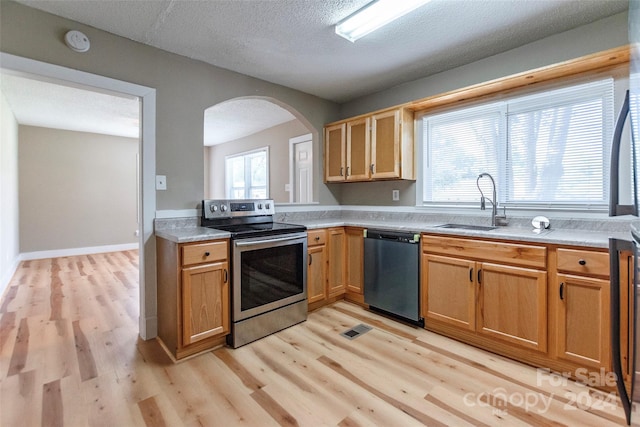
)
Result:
{"points": [[582, 298], [316, 266], [354, 259], [317, 274], [449, 291], [512, 304], [335, 265], [501, 302], [205, 302], [336, 273], [583, 333], [193, 295]]}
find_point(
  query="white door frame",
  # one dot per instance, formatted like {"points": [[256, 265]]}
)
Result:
{"points": [[148, 321], [292, 163]]}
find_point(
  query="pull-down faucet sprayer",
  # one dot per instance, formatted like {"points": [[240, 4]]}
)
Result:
{"points": [[493, 201]]}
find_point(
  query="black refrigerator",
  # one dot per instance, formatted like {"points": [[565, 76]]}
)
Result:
{"points": [[624, 253]]}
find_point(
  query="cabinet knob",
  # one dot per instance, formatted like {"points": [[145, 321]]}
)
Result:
{"points": [[317, 238], [582, 262], [207, 253]]}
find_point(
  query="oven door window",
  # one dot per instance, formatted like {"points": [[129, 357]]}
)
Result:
{"points": [[270, 275]]}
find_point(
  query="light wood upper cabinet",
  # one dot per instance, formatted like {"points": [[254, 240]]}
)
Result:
{"points": [[385, 145], [358, 150], [378, 146], [334, 153]]}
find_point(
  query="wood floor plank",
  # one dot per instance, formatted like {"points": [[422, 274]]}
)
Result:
{"points": [[151, 413], [420, 416], [21, 400], [273, 408], [52, 410], [69, 348], [20, 349], [240, 371], [86, 362]]}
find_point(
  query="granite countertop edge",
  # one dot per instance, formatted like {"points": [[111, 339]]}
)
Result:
{"points": [[569, 237]]}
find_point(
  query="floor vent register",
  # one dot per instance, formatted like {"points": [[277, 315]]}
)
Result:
{"points": [[356, 331]]}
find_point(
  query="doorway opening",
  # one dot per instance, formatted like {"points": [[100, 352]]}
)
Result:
{"points": [[145, 173]]}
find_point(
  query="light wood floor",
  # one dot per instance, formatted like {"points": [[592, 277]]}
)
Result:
{"points": [[69, 355]]}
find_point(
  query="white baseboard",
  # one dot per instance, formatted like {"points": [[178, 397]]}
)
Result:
{"points": [[57, 253]]}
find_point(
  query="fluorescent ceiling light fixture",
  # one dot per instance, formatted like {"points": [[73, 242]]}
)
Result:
{"points": [[375, 15]]}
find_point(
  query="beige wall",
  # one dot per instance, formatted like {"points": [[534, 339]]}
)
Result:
{"points": [[9, 238], [77, 189], [595, 37], [277, 139], [184, 89]]}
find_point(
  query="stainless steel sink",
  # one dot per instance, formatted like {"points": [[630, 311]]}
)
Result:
{"points": [[468, 227]]}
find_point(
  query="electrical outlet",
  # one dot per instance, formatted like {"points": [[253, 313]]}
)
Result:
{"points": [[395, 195], [161, 182]]}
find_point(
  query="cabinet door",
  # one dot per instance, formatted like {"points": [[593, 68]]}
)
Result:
{"points": [[205, 302], [358, 147], [334, 153], [385, 145], [336, 264], [513, 305], [316, 273], [583, 320], [448, 291], [355, 260]]}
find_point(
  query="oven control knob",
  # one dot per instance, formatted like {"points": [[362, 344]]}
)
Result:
{"points": [[267, 206], [213, 208], [223, 208], [259, 205]]}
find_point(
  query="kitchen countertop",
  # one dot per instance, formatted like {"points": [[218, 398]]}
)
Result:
{"points": [[571, 237], [191, 234]]}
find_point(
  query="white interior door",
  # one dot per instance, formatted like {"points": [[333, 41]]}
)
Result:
{"points": [[302, 170]]}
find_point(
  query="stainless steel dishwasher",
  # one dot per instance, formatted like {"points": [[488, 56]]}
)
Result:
{"points": [[392, 273]]}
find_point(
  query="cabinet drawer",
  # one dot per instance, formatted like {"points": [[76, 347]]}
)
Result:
{"points": [[583, 262], [204, 252], [511, 253], [316, 237]]}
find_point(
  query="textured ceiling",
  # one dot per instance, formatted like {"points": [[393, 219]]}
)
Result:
{"points": [[241, 117], [292, 43], [52, 105]]}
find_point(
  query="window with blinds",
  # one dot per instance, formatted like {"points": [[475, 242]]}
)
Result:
{"points": [[548, 149]]}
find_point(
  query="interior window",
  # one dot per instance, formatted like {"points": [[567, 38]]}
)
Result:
{"points": [[247, 175], [547, 149]]}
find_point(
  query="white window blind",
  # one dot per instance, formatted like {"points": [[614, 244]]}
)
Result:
{"points": [[547, 149]]}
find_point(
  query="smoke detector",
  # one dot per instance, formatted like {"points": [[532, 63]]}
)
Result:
{"points": [[77, 41]]}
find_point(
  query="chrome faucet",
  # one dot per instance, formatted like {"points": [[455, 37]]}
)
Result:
{"points": [[494, 201]]}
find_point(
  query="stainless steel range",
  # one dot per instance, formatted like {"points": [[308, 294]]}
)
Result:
{"points": [[268, 268]]}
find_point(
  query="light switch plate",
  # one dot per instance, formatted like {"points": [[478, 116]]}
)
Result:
{"points": [[161, 182], [395, 195]]}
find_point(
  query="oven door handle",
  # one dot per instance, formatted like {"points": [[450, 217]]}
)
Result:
{"points": [[261, 242]]}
